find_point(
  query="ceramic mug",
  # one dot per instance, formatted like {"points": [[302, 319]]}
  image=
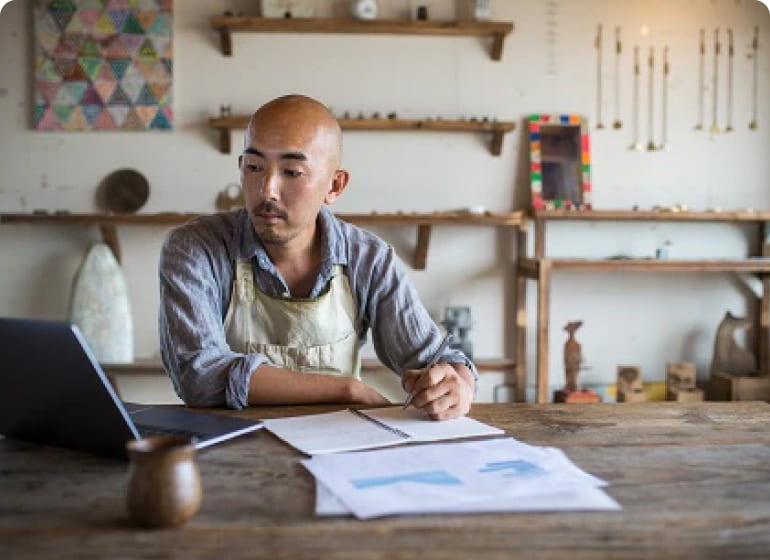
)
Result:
{"points": [[164, 486]]}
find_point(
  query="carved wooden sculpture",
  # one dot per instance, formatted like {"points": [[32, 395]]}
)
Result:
{"points": [[573, 356], [573, 359], [734, 372], [729, 356]]}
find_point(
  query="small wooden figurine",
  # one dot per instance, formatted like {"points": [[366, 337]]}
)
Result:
{"points": [[680, 383], [629, 384], [573, 358]]}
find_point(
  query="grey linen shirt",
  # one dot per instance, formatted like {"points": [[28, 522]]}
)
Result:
{"points": [[197, 267]]}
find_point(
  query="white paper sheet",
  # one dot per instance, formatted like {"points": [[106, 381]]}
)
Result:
{"points": [[420, 427], [330, 432], [492, 475], [346, 430], [583, 498]]}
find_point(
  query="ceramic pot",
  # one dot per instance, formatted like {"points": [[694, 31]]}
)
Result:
{"points": [[164, 486]]}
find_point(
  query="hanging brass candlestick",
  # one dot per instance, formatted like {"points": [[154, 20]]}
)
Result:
{"points": [[651, 102], [754, 124], [636, 145], [729, 116], [664, 103], [598, 44], [714, 122], [617, 123], [701, 79]]}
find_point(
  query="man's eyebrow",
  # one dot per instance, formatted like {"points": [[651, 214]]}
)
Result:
{"points": [[294, 155], [299, 156]]}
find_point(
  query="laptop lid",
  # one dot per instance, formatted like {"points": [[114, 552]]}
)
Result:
{"points": [[53, 391]]}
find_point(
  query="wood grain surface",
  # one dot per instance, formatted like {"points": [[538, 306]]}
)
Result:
{"points": [[693, 480]]}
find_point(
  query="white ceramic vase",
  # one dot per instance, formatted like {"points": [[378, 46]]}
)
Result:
{"points": [[100, 306]]}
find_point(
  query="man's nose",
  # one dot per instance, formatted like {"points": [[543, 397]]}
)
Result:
{"points": [[270, 185]]}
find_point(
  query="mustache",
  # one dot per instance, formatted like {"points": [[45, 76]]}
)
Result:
{"points": [[269, 208]]}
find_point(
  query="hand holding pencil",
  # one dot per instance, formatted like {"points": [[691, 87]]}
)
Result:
{"points": [[442, 390]]}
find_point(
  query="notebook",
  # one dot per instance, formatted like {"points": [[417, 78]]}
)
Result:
{"points": [[53, 391], [350, 429]]}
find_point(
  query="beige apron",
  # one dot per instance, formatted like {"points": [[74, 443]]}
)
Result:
{"points": [[315, 335]]}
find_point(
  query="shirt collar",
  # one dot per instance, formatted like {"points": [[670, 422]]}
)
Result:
{"points": [[333, 242]]}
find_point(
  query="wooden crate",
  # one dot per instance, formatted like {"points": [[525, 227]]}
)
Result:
{"points": [[728, 387]]}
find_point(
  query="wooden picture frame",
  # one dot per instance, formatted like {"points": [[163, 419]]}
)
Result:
{"points": [[560, 162]]}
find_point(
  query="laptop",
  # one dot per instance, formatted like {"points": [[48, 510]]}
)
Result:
{"points": [[53, 391]]}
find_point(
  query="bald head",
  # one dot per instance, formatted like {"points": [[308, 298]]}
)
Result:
{"points": [[290, 169], [300, 117]]}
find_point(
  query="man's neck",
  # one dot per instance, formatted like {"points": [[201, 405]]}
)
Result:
{"points": [[298, 261]]}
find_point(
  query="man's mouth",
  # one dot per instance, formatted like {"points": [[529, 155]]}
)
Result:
{"points": [[269, 214]]}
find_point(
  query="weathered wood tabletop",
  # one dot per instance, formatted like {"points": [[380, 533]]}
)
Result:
{"points": [[693, 480]]}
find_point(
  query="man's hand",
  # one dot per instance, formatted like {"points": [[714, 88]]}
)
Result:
{"points": [[444, 391]]}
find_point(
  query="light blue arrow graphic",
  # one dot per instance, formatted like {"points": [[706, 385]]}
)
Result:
{"points": [[429, 477], [518, 467]]}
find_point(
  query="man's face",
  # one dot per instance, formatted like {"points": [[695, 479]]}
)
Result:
{"points": [[287, 173]]}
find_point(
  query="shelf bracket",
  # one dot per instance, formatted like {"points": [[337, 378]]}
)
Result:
{"points": [[498, 39], [421, 251], [224, 140], [497, 142], [110, 238], [226, 39]]}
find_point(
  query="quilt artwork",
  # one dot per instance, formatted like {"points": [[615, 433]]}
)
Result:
{"points": [[103, 65]]}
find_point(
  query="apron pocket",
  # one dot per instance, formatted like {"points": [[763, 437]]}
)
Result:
{"points": [[336, 358]]}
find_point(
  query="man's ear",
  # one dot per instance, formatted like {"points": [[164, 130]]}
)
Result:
{"points": [[339, 182], [240, 161]]}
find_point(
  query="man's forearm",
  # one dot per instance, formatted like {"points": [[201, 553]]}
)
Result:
{"points": [[275, 385]]}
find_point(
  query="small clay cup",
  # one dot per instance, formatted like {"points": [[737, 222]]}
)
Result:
{"points": [[164, 485]]}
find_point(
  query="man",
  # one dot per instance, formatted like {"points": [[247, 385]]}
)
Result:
{"points": [[270, 304]]}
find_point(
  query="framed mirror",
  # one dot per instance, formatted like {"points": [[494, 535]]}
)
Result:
{"points": [[560, 162]]}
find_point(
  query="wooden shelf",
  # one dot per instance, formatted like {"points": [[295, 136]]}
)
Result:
{"points": [[423, 221], [162, 219], [224, 125], [541, 267], [151, 367], [227, 25], [652, 216], [759, 265]]}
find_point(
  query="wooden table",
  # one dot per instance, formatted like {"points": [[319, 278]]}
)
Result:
{"points": [[693, 480]]}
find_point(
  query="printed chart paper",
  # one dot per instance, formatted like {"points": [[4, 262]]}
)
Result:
{"points": [[491, 475]]}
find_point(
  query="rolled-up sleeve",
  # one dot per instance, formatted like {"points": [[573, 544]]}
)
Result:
{"points": [[193, 283]]}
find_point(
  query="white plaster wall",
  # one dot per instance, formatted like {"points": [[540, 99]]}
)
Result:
{"points": [[548, 65]]}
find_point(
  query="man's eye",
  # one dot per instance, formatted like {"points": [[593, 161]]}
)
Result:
{"points": [[292, 173], [253, 167]]}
